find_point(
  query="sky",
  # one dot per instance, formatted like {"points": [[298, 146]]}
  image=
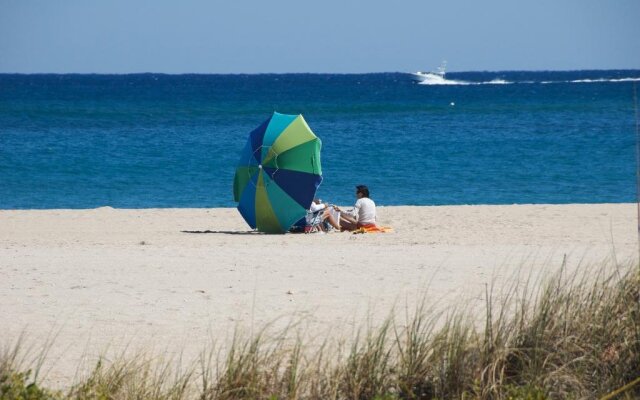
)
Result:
{"points": [[332, 36]]}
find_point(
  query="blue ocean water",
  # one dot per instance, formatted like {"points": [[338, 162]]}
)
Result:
{"points": [[153, 140]]}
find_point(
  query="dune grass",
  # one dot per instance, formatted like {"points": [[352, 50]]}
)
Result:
{"points": [[570, 337]]}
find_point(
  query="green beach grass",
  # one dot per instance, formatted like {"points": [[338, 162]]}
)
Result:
{"points": [[573, 336]]}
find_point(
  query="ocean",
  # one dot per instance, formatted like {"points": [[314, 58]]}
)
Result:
{"points": [[154, 140]]}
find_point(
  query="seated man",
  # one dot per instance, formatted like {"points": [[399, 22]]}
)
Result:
{"points": [[362, 215]]}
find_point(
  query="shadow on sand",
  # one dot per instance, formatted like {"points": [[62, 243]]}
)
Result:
{"points": [[227, 232]]}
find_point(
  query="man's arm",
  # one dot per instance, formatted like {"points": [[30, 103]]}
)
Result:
{"points": [[355, 213]]}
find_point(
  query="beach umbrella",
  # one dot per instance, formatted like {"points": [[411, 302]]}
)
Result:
{"points": [[278, 173]]}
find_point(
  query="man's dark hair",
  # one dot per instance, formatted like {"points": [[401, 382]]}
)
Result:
{"points": [[363, 189]]}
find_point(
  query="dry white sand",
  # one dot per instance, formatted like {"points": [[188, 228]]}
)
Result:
{"points": [[172, 279]]}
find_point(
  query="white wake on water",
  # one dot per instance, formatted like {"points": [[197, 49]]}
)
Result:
{"points": [[605, 80], [443, 81], [596, 80], [499, 81]]}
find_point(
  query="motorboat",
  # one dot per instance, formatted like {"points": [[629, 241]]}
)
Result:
{"points": [[432, 76]]}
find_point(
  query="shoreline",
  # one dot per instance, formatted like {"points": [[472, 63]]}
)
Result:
{"points": [[174, 278], [340, 205]]}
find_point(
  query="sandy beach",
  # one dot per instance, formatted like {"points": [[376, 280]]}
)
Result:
{"points": [[173, 279]]}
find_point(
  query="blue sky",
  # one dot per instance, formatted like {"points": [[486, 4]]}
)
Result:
{"points": [[116, 36]]}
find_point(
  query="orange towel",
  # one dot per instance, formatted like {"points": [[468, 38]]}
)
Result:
{"points": [[372, 228]]}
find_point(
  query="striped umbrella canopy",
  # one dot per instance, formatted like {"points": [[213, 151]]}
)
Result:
{"points": [[278, 173]]}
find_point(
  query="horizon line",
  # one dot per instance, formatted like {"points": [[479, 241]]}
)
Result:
{"points": [[309, 73]]}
